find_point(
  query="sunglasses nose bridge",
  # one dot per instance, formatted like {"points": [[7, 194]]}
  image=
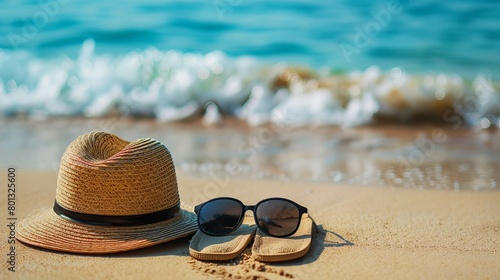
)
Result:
{"points": [[247, 208]]}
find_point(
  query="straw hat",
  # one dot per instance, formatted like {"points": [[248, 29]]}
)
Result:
{"points": [[112, 195]]}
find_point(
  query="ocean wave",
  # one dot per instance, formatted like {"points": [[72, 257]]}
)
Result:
{"points": [[171, 85]]}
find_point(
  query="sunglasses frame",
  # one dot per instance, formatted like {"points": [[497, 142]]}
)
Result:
{"points": [[245, 208]]}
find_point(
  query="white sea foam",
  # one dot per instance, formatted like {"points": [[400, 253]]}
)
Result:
{"points": [[172, 85]]}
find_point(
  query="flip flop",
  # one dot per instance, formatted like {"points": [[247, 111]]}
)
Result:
{"points": [[223, 248], [273, 249]]}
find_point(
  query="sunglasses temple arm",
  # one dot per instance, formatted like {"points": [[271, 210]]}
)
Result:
{"points": [[314, 223]]}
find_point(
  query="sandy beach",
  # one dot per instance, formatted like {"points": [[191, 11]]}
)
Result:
{"points": [[382, 118], [364, 232]]}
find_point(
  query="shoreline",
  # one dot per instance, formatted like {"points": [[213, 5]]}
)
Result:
{"points": [[367, 232], [425, 156]]}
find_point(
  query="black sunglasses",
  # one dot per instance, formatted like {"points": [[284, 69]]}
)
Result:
{"points": [[278, 217]]}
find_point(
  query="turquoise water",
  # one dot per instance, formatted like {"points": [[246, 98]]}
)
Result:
{"points": [[459, 36], [173, 60], [167, 59]]}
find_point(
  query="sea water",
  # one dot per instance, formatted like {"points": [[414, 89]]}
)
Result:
{"points": [[291, 63]]}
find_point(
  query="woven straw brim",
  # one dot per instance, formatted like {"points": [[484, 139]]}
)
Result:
{"points": [[47, 230], [273, 249], [225, 247]]}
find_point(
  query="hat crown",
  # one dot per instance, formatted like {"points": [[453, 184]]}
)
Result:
{"points": [[103, 174]]}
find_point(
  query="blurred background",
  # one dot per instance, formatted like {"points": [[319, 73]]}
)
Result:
{"points": [[368, 82], [167, 59]]}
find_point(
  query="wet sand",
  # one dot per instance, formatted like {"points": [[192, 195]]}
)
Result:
{"points": [[419, 156], [364, 232]]}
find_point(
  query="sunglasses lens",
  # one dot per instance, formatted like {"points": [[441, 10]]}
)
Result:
{"points": [[219, 216], [277, 217]]}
